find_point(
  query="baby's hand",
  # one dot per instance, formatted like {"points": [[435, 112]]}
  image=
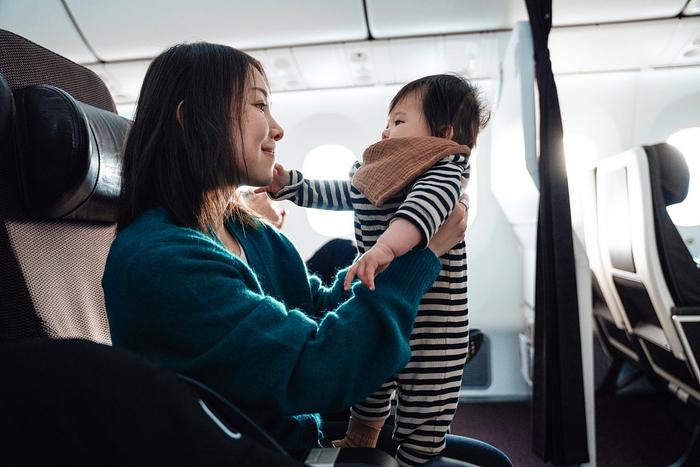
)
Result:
{"points": [[371, 263], [280, 179]]}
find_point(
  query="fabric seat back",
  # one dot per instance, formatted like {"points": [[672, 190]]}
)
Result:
{"points": [[645, 261], [50, 269]]}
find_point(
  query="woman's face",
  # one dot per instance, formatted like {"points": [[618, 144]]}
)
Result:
{"points": [[260, 134]]}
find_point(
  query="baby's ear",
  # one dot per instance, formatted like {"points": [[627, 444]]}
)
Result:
{"points": [[447, 132]]}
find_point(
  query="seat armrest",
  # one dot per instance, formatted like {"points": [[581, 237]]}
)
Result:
{"points": [[686, 320], [356, 457], [327, 457], [447, 462], [685, 311]]}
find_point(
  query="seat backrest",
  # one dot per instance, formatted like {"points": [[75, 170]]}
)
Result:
{"points": [[75, 402], [608, 312], [645, 261], [51, 268], [670, 180]]}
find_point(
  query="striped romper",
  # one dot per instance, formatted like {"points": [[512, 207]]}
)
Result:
{"points": [[428, 387]]}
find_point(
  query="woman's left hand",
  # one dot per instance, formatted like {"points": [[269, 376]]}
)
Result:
{"points": [[263, 205]]}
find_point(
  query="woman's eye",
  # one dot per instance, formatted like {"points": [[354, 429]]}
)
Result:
{"points": [[261, 105]]}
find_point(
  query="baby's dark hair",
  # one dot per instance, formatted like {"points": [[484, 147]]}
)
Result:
{"points": [[448, 101]]}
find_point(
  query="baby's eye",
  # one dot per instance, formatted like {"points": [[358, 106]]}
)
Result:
{"points": [[398, 122]]}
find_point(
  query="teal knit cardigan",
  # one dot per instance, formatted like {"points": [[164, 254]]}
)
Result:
{"points": [[266, 335]]}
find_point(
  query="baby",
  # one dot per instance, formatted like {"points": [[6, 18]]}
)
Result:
{"points": [[404, 189]]}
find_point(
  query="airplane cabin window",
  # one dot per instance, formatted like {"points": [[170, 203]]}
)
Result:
{"points": [[687, 213], [581, 155], [127, 110], [329, 162], [580, 152]]}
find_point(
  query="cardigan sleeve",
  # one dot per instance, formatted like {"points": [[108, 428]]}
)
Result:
{"points": [[217, 325], [327, 298]]}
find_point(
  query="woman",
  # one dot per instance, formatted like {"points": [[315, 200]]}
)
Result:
{"points": [[196, 281]]}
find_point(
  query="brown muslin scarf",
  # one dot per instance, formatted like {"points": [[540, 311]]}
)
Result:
{"points": [[391, 164]]}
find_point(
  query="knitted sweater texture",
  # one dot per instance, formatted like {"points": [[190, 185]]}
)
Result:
{"points": [[266, 335]]}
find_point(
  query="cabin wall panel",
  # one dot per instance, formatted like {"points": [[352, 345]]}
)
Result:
{"points": [[144, 29], [46, 23]]}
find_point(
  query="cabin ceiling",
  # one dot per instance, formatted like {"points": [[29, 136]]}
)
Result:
{"points": [[308, 44]]}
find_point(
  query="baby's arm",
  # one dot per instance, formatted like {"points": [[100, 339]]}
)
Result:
{"points": [[320, 194], [398, 239]]}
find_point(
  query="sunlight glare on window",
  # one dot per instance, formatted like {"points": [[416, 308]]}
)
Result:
{"points": [[580, 154], [329, 162], [687, 213]]}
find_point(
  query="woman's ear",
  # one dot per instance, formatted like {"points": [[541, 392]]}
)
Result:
{"points": [[178, 113], [448, 132]]}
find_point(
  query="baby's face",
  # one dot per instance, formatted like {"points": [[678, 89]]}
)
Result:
{"points": [[406, 119]]}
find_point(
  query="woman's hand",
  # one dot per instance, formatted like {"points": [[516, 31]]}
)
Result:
{"points": [[280, 179], [263, 205], [451, 232]]}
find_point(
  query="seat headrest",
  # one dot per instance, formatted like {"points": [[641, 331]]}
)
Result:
{"points": [[67, 155], [6, 109], [675, 176]]}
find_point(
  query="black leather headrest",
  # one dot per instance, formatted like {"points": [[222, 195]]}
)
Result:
{"points": [[6, 109], [675, 176], [68, 155]]}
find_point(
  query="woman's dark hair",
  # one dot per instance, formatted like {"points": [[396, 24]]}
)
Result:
{"points": [[448, 101], [179, 153]]}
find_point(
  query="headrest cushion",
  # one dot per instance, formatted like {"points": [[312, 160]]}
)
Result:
{"points": [[675, 176], [68, 155], [6, 109]]}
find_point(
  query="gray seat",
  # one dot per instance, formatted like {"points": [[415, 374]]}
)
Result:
{"points": [[608, 315], [646, 266], [50, 267]]}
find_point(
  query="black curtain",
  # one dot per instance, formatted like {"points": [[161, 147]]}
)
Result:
{"points": [[559, 412]]}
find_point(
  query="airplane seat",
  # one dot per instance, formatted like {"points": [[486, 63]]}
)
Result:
{"points": [[51, 266], [670, 179], [612, 330], [646, 262], [77, 402], [617, 341], [6, 110]]}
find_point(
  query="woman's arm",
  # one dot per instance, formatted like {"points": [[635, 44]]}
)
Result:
{"points": [[205, 315], [327, 298]]}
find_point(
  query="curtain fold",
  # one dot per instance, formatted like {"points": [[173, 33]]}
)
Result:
{"points": [[559, 412]]}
